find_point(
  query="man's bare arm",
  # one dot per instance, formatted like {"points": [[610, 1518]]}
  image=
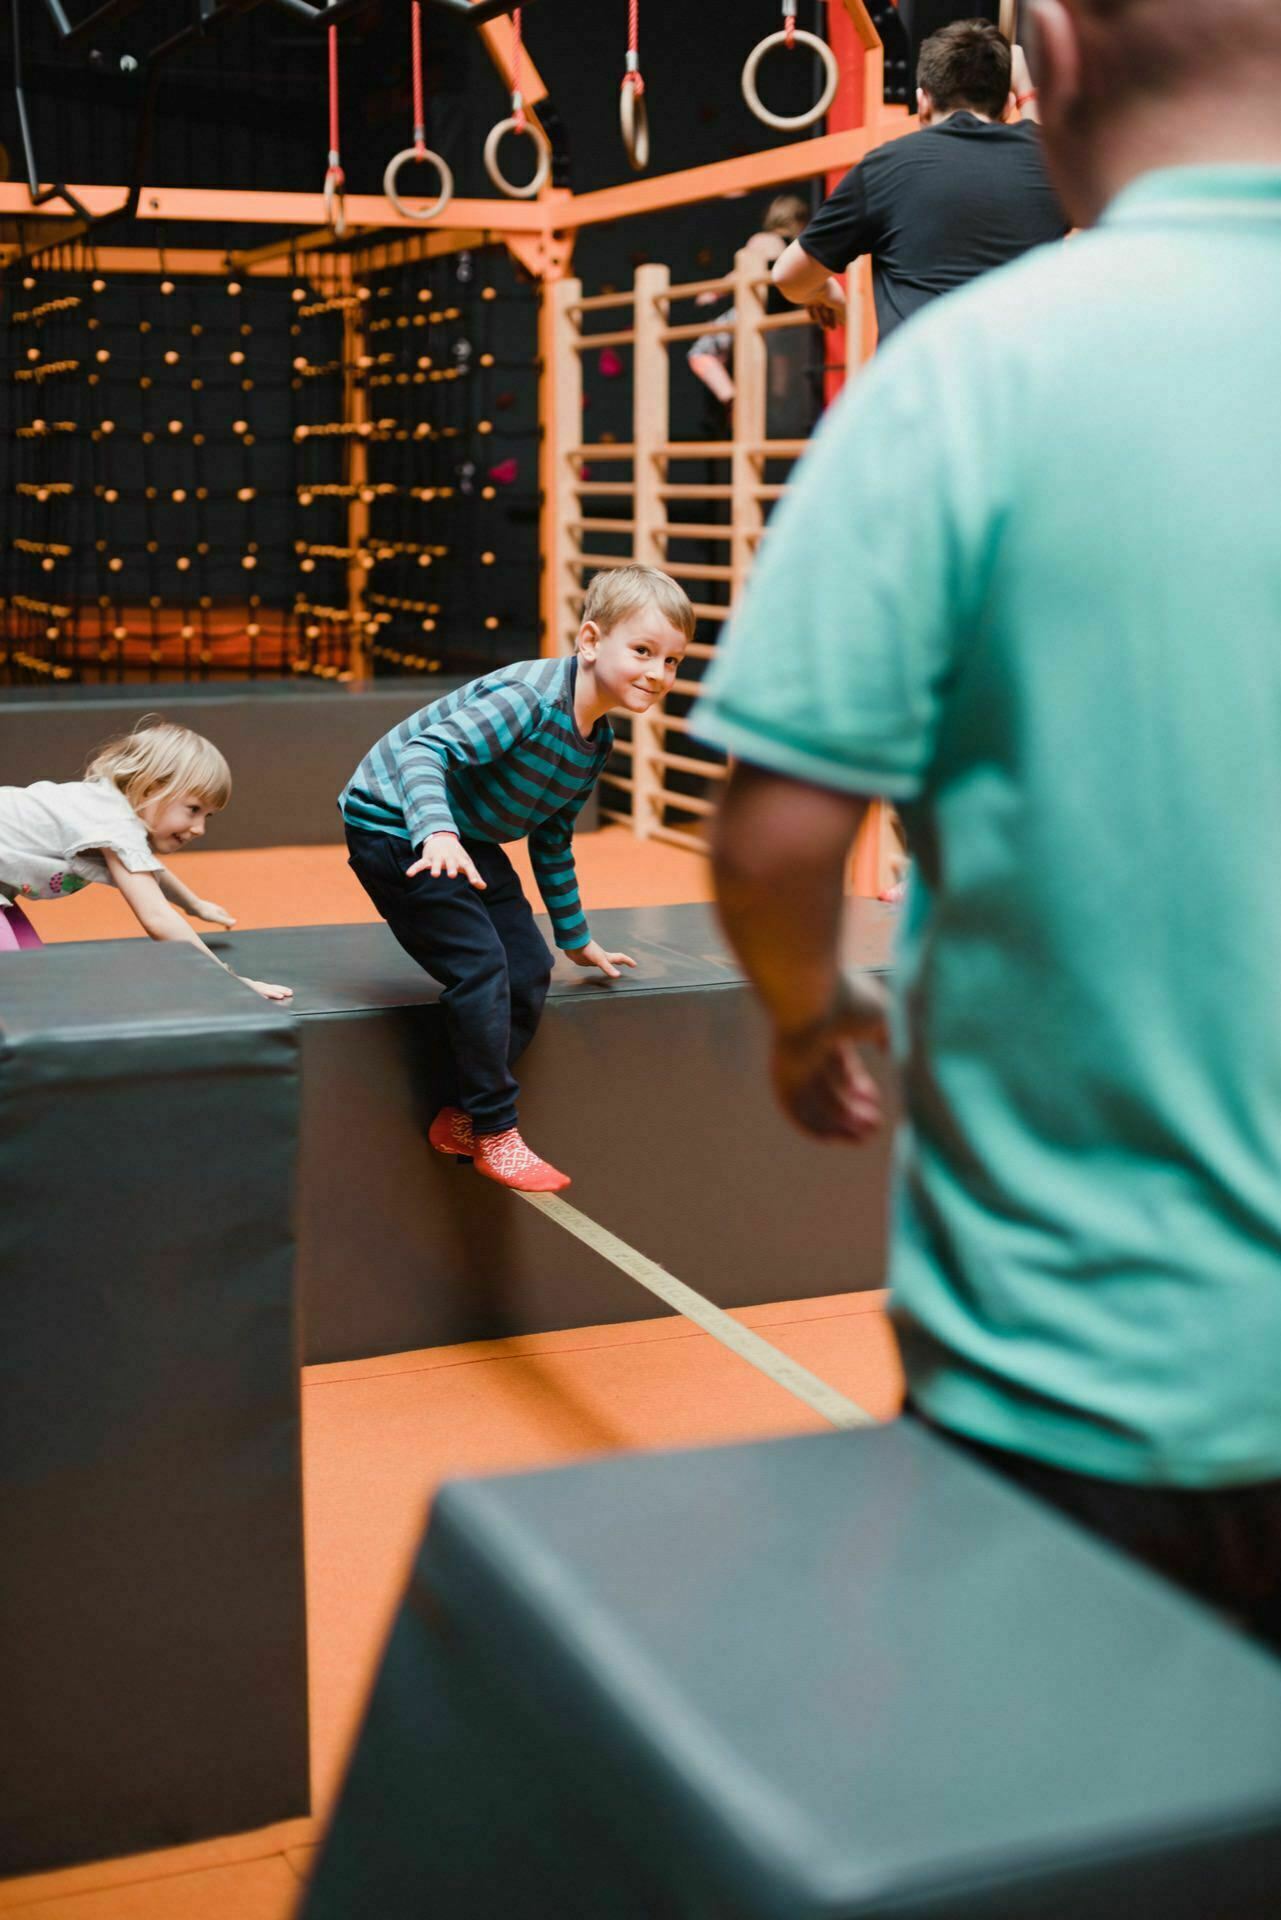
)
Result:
{"points": [[778, 856], [799, 276]]}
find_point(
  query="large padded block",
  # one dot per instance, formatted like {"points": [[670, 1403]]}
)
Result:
{"points": [[853, 1677], [651, 1090], [152, 1643]]}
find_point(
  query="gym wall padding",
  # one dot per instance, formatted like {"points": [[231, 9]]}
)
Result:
{"points": [[152, 1626], [847, 1677], [291, 749], [652, 1091]]}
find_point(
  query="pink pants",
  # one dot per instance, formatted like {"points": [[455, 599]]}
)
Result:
{"points": [[16, 931]]}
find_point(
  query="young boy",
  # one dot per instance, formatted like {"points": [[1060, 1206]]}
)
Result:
{"points": [[510, 755]]}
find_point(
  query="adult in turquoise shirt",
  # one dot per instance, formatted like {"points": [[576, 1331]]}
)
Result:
{"points": [[1028, 585]]}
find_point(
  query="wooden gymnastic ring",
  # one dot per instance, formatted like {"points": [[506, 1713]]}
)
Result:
{"points": [[633, 120], [495, 172], [790, 122], [335, 206], [429, 159]]}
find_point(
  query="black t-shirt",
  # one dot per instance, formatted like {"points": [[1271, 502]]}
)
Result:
{"points": [[936, 209]]}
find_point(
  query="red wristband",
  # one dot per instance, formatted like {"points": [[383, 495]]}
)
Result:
{"points": [[1021, 99]]}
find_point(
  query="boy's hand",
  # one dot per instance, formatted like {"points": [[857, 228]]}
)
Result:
{"points": [[819, 1077], [265, 988], [216, 915], [445, 853], [594, 955]]}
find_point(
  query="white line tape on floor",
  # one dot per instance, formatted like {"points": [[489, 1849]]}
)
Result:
{"points": [[777, 1366]]}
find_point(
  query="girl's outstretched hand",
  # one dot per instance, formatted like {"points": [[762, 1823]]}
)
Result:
{"points": [[216, 915], [265, 988], [594, 955]]}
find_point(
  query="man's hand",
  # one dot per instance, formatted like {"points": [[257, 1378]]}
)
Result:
{"points": [[594, 955], [445, 853], [265, 988], [829, 310], [820, 1079], [216, 915]]}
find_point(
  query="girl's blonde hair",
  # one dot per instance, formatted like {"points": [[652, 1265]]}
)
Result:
{"points": [[160, 761]]}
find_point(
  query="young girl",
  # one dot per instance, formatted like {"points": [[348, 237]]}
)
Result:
{"points": [[147, 793]]}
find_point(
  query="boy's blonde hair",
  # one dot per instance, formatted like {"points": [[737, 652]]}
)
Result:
{"points": [[160, 761], [787, 214], [621, 591]]}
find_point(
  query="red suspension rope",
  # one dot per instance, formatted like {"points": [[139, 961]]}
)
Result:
{"points": [[789, 26], [335, 165], [632, 77], [420, 120], [518, 55]]}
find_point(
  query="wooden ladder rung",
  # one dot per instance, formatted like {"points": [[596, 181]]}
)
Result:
{"points": [[603, 450], [602, 486], [621, 337], [690, 570], [620, 780], [709, 770], [619, 819], [601, 526], [686, 289], [676, 837], [768, 493], [690, 803], [595, 302], [695, 329], [690, 688], [694, 450], [693, 530], [672, 491], [778, 449]]}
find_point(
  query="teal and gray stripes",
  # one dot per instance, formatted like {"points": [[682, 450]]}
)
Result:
{"points": [[499, 759]]}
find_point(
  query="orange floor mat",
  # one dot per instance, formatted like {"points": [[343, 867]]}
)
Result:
{"points": [[378, 1437], [314, 887]]}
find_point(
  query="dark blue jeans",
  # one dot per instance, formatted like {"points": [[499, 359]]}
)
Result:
{"points": [[485, 950]]}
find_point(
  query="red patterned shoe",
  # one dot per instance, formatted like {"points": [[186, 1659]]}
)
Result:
{"points": [[451, 1132], [504, 1157]]}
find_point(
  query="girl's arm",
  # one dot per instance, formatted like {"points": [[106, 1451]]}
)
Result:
{"points": [[179, 894], [160, 921]]}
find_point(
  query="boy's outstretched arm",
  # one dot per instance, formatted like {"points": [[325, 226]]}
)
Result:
{"points": [[551, 854], [161, 921], [778, 857]]}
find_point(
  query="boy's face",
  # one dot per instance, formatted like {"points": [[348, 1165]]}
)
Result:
{"points": [[636, 661]]}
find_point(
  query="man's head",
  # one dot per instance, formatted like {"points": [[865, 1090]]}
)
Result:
{"points": [[637, 623], [963, 67], [1130, 85]]}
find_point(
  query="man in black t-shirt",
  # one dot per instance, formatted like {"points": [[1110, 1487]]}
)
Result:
{"points": [[935, 208]]}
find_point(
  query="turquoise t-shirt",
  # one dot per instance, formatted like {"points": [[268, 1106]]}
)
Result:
{"points": [[1028, 584]]}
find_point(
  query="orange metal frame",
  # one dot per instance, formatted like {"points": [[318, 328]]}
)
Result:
{"points": [[539, 233]]}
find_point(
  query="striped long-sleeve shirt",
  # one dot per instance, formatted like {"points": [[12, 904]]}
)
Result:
{"points": [[499, 759]]}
